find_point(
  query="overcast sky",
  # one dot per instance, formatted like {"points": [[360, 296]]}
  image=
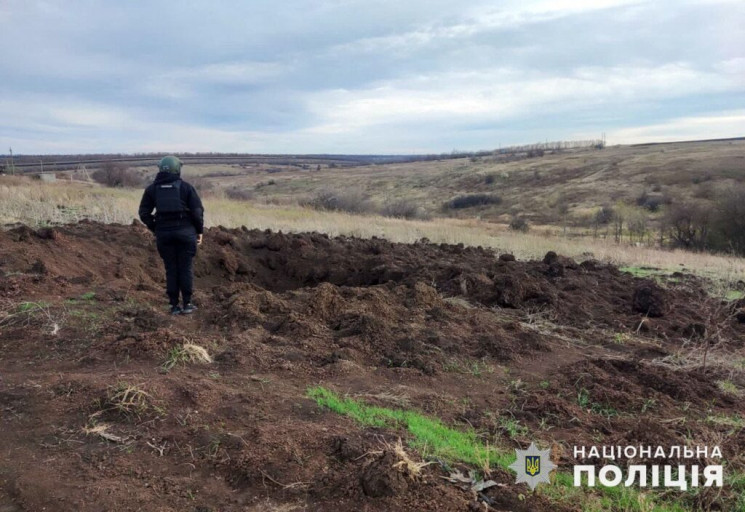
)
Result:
{"points": [[365, 76]]}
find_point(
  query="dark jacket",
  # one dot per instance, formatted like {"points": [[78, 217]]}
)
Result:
{"points": [[193, 214]]}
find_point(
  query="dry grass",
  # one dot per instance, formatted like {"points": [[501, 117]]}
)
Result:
{"points": [[32, 313], [186, 353], [197, 354], [458, 301], [129, 400], [102, 430], [533, 188], [405, 463], [35, 203]]}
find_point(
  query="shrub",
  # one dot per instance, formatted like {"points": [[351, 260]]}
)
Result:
{"points": [[653, 203], [649, 202], [204, 186], [471, 200], [351, 201], [239, 194], [705, 191], [519, 224], [405, 209], [113, 174], [707, 176]]}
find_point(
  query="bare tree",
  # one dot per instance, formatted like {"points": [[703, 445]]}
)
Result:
{"points": [[730, 221], [689, 225]]}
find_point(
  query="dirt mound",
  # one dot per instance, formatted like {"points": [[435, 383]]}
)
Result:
{"points": [[630, 383], [381, 477], [124, 257]]}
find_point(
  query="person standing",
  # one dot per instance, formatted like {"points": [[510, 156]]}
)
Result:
{"points": [[178, 225]]}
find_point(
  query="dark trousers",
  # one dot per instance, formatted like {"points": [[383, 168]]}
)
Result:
{"points": [[177, 248]]}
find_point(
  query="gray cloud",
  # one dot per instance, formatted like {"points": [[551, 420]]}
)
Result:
{"points": [[361, 76]]}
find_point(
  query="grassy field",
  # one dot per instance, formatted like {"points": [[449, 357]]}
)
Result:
{"points": [[558, 189], [23, 200]]}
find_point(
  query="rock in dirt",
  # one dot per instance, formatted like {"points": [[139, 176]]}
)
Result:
{"points": [[649, 299], [509, 291], [346, 449], [695, 330], [740, 315], [557, 264], [550, 257], [48, 234]]}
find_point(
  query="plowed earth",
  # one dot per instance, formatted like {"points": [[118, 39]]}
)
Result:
{"points": [[452, 332]]}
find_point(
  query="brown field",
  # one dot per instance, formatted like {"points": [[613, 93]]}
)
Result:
{"points": [[108, 403], [212, 412]]}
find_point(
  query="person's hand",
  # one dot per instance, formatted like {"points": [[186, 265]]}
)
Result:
{"points": [[199, 239]]}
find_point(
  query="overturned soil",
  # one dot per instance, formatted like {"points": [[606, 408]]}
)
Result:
{"points": [[574, 352]]}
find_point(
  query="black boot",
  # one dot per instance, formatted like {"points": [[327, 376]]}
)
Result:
{"points": [[189, 308]]}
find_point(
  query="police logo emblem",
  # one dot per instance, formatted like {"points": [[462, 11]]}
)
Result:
{"points": [[533, 466]]}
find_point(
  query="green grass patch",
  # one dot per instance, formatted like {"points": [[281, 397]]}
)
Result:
{"points": [[512, 427], [658, 274], [431, 436], [434, 438], [729, 387], [585, 401], [734, 295], [734, 422], [644, 271], [476, 368], [89, 321], [28, 307], [86, 297]]}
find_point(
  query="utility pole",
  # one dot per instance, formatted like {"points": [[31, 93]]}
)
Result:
{"points": [[12, 166]]}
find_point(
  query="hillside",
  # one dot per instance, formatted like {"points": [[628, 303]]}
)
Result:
{"points": [[549, 189]]}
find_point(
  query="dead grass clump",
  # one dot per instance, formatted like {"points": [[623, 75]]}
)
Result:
{"points": [[185, 354], [128, 400], [31, 313], [459, 301], [406, 464]]}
